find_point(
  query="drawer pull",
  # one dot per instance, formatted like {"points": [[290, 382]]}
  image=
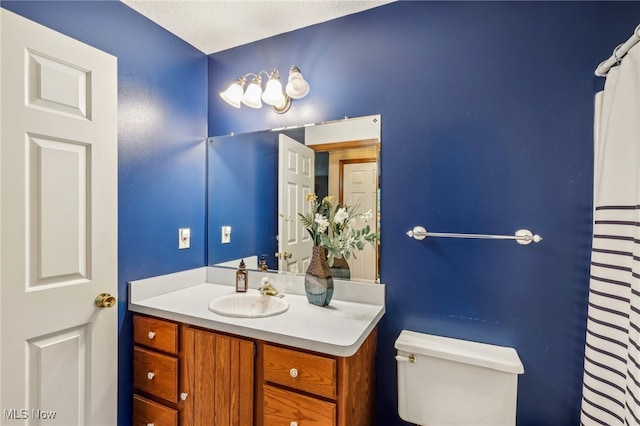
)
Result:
{"points": [[151, 335], [150, 375], [183, 396], [293, 424], [293, 372]]}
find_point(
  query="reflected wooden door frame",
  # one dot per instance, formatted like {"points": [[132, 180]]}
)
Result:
{"points": [[345, 145], [341, 165]]}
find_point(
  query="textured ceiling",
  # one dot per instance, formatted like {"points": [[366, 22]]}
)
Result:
{"points": [[215, 25]]}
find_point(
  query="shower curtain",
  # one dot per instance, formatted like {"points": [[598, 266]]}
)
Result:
{"points": [[611, 382]]}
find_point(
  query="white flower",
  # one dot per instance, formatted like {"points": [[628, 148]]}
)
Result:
{"points": [[323, 222], [341, 216], [366, 216]]}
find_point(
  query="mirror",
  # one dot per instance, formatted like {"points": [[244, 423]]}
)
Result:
{"points": [[244, 218]]}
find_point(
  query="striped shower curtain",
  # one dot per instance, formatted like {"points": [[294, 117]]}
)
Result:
{"points": [[611, 383]]}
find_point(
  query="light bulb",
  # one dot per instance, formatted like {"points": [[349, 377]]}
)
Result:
{"points": [[297, 87], [233, 94], [273, 93], [253, 93]]}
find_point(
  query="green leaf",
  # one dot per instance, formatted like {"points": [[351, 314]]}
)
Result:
{"points": [[324, 239]]}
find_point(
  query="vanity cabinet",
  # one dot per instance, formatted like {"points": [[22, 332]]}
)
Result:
{"points": [[300, 388], [189, 376], [161, 386], [223, 379]]}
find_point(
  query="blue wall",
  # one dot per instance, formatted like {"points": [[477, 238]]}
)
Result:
{"points": [[486, 127], [162, 107]]}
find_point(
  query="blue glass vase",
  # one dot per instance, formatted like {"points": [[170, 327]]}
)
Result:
{"points": [[318, 282]]}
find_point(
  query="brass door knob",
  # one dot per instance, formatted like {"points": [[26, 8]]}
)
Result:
{"points": [[105, 300], [284, 255]]}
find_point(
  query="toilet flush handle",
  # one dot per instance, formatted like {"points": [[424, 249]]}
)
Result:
{"points": [[411, 358]]}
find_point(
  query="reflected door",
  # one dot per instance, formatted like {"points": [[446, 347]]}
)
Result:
{"points": [[58, 180], [360, 189], [295, 181]]}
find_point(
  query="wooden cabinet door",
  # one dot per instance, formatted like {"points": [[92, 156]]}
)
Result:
{"points": [[146, 412], [223, 384], [155, 373], [284, 408], [300, 370]]}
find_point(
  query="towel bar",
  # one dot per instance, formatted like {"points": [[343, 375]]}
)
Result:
{"points": [[522, 236]]}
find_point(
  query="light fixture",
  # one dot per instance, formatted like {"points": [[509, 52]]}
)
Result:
{"points": [[252, 96], [297, 88], [273, 92], [233, 95]]}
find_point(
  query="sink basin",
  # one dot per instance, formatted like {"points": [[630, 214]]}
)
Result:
{"points": [[248, 305]]}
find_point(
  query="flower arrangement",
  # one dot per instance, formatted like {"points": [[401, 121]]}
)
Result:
{"points": [[316, 220], [333, 227]]}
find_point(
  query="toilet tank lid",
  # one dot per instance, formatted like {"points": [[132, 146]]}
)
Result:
{"points": [[481, 354]]}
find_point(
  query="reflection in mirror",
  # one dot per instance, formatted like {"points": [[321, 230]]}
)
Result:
{"points": [[250, 190]]}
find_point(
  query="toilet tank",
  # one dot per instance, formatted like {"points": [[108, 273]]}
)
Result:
{"points": [[444, 381]]}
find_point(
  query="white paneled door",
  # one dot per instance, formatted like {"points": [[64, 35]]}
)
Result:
{"points": [[360, 191], [296, 170], [58, 228]]}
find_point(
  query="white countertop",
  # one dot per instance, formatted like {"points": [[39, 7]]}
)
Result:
{"points": [[338, 329]]}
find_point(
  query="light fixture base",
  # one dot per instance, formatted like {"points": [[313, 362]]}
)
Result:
{"points": [[281, 109]]}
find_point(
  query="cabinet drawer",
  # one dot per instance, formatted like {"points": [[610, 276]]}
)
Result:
{"points": [[146, 412], [155, 373], [155, 333], [310, 373], [283, 408]]}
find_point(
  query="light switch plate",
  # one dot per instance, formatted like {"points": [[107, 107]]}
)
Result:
{"points": [[226, 235], [184, 238]]}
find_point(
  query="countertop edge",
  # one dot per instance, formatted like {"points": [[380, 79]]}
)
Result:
{"points": [[143, 296], [240, 331]]}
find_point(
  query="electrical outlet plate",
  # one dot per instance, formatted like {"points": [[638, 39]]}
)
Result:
{"points": [[184, 238], [226, 235]]}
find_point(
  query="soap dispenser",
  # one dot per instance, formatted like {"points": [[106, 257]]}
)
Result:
{"points": [[263, 263], [242, 278]]}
